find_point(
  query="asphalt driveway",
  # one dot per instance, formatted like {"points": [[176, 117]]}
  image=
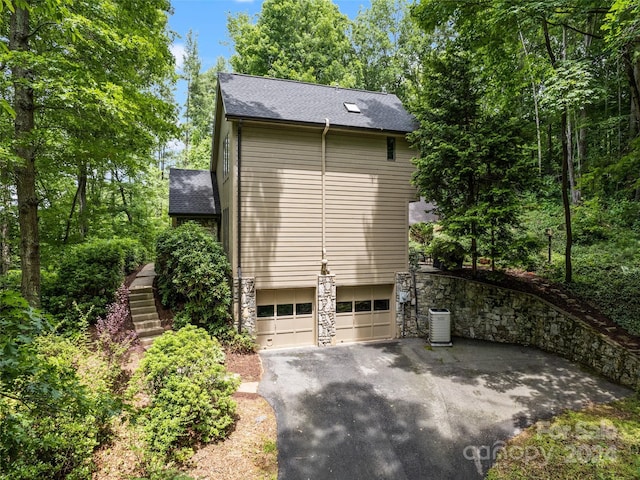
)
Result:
{"points": [[397, 410]]}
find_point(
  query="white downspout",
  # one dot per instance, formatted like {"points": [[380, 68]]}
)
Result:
{"points": [[325, 269]]}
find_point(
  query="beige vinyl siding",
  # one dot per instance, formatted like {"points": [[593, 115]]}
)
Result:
{"points": [[367, 208], [281, 208], [226, 186], [367, 200]]}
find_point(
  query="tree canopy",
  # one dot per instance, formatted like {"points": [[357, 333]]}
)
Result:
{"points": [[82, 114], [296, 39]]}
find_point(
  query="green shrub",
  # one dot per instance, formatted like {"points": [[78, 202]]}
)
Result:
{"points": [[55, 400], [447, 253], [193, 275], [236, 342], [416, 253], [190, 393], [89, 274], [421, 232]]}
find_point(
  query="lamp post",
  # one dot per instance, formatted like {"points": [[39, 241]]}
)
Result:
{"points": [[549, 234]]}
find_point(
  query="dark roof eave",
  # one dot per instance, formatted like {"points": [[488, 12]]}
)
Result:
{"points": [[231, 117], [194, 215]]}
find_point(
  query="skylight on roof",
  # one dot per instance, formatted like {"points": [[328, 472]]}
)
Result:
{"points": [[351, 107]]}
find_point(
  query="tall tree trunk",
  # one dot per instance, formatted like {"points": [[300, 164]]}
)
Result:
{"points": [[582, 139], [568, 272], [125, 206], [535, 106], [5, 218], [67, 229], [632, 64], [575, 193], [25, 171], [82, 206], [474, 249]]}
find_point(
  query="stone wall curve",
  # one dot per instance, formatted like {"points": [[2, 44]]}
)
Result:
{"points": [[498, 314]]}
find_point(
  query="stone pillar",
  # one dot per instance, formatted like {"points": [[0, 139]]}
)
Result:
{"points": [[235, 301], [248, 304], [326, 310], [405, 327]]}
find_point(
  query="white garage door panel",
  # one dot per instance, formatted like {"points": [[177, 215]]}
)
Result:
{"points": [[282, 321]]}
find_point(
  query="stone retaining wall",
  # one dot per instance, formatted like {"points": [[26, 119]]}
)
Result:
{"points": [[498, 314]]}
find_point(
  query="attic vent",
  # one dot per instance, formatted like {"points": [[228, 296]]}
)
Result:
{"points": [[351, 107]]}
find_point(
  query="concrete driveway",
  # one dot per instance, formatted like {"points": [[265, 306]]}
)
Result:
{"points": [[397, 410]]}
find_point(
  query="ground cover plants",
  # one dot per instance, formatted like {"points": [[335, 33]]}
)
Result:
{"points": [[602, 441]]}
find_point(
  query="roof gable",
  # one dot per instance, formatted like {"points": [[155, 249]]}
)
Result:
{"points": [[271, 99], [193, 192]]}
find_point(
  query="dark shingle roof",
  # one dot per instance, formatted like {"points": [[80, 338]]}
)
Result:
{"points": [[250, 97], [193, 192]]}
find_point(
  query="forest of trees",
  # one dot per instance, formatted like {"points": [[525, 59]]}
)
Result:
{"points": [[518, 102]]}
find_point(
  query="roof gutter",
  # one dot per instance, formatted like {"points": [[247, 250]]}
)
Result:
{"points": [[334, 126], [324, 269]]}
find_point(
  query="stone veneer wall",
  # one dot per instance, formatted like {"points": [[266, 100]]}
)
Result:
{"points": [[498, 314], [248, 313], [406, 325], [326, 309]]}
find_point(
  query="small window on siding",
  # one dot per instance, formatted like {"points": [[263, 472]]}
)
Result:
{"points": [[225, 158], [381, 305], [391, 149], [285, 309], [344, 307], [363, 306], [304, 309], [264, 311]]}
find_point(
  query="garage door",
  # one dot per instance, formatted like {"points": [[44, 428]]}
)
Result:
{"points": [[363, 313], [285, 318]]}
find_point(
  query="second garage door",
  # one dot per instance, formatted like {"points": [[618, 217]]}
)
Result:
{"points": [[363, 313], [285, 318]]}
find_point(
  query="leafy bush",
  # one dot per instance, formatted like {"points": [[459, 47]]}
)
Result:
{"points": [[189, 390], [236, 342], [55, 398], [447, 253], [193, 275], [421, 232], [589, 224], [113, 338], [416, 253], [89, 274]]}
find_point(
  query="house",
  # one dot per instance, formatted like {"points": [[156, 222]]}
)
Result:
{"points": [[193, 196], [314, 188]]}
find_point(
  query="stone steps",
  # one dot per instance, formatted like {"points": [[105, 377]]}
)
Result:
{"points": [[143, 310]]}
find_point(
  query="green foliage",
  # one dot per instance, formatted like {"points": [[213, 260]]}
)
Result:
{"points": [[416, 253], [421, 232], [193, 275], [55, 398], [297, 39], [92, 72], [236, 342], [447, 253], [89, 275], [190, 393], [471, 162], [601, 442]]}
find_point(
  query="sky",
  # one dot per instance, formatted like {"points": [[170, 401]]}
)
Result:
{"points": [[208, 19]]}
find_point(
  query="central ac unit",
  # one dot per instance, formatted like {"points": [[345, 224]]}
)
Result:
{"points": [[439, 327]]}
